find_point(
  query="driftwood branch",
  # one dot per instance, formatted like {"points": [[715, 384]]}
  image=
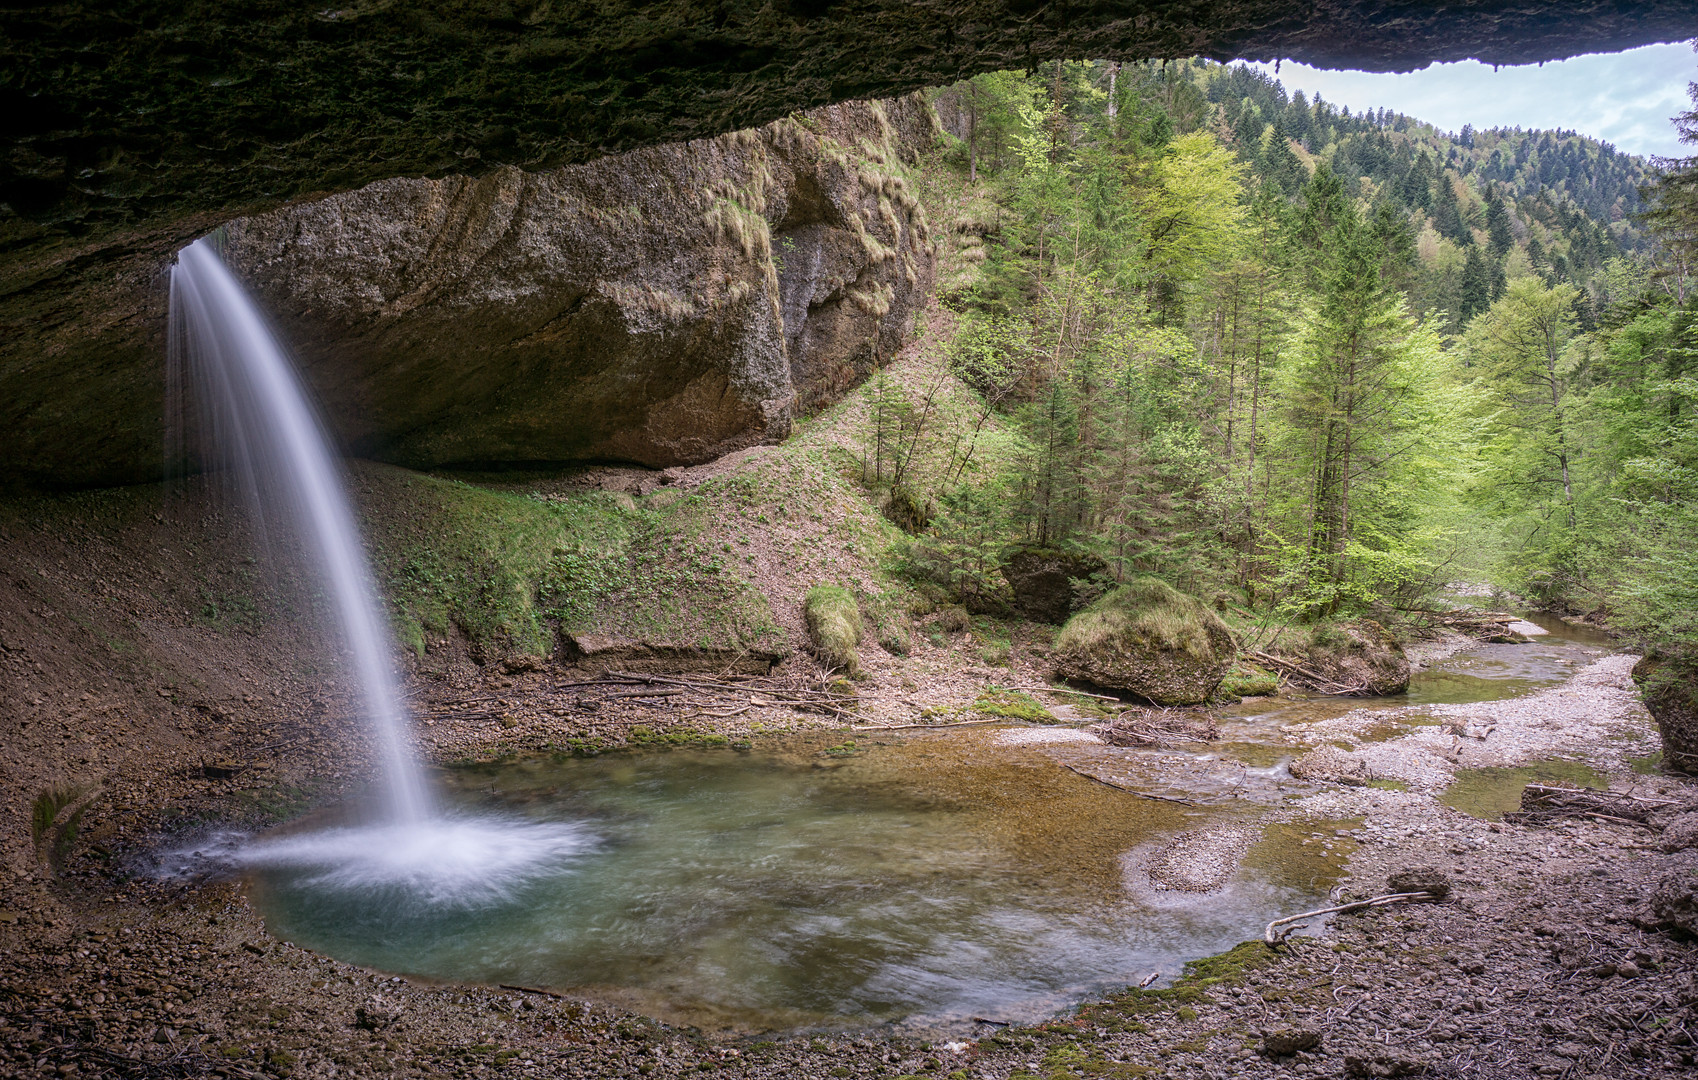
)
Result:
{"points": [[1149, 727], [1065, 690], [908, 727], [1123, 787], [1277, 937]]}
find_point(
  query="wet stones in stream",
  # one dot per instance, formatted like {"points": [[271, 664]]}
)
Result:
{"points": [[1202, 860]]}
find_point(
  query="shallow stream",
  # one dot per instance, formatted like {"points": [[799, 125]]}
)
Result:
{"points": [[931, 881]]}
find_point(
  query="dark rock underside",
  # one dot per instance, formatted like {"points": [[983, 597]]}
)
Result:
{"points": [[127, 129], [125, 113]]}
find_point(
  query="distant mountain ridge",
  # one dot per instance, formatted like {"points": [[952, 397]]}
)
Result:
{"points": [[1563, 202]]}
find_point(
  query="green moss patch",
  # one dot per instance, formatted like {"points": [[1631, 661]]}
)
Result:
{"points": [[508, 569], [1248, 680], [1013, 704]]}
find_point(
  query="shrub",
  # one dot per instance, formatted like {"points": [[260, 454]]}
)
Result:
{"points": [[834, 625], [953, 619]]}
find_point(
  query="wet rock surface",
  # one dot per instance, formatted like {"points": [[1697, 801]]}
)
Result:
{"points": [[113, 128]]}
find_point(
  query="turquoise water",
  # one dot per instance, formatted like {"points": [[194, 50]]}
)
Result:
{"points": [[922, 882]]}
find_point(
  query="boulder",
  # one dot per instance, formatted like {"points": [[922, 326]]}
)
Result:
{"points": [[1359, 656], [1148, 639], [1674, 900], [1048, 585], [1681, 832], [1427, 879], [1670, 689]]}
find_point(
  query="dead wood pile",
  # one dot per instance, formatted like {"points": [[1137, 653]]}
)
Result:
{"points": [[1155, 727], [1542, 805], [1309, 680]]}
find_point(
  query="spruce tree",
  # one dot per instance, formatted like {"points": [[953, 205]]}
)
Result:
{"points": [[1476, 292]]}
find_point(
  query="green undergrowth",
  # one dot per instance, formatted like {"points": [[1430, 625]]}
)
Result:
{"points": [[834, 625], [507, 569], [1221, 971], [1013, 704]]}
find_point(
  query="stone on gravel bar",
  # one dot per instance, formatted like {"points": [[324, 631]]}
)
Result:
{"points": [[1290, 1041], [1681, 832], [1428, 879], [1674, 901]]}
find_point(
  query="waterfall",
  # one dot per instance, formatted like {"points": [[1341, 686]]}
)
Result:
{"points": [[268, 431]]}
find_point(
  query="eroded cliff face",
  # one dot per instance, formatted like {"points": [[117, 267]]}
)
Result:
{"points": [[663, 306]]}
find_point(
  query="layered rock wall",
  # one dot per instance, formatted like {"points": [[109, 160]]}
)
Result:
{"points": [[663, 306]]}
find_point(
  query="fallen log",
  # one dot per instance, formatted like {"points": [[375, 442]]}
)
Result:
{"points": [[1123, 787], [1064, 690]]}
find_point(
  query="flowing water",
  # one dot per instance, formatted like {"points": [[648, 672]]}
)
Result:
{"points": [[264, 426], [924, 881], [921, 881]]}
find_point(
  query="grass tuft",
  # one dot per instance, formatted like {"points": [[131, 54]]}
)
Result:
{"points": [[834, 625]]}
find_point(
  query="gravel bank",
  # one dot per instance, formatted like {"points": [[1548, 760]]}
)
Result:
{"points": [[1547, 961]]}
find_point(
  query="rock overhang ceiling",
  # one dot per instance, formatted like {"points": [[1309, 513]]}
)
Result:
{"points": [[120, 114], [131, 128]]}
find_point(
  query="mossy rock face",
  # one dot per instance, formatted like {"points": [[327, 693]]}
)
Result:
{"points": [[1670, 689], [834, 625], [1049, 584], [1148, 639]]}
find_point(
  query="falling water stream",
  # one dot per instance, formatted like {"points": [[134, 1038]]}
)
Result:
{"points": [[267, 429]]}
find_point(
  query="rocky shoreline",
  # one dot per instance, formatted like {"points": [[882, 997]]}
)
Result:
{"points": [[1547, 959]]}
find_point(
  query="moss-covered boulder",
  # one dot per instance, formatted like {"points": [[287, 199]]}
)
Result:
{"points": [[1355, 657], [1670, 689], [1148, 639], [834, 626]]}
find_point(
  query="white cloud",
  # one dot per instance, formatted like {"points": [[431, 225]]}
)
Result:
{"points": [[1624, 98]]}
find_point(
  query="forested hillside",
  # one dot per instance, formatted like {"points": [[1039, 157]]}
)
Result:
{"points": [[1323, 362]]}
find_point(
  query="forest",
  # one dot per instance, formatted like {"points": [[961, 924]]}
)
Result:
{"points": [[1321, 363]]}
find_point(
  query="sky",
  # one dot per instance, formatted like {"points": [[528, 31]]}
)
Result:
{"points": [[1623, 98]]}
